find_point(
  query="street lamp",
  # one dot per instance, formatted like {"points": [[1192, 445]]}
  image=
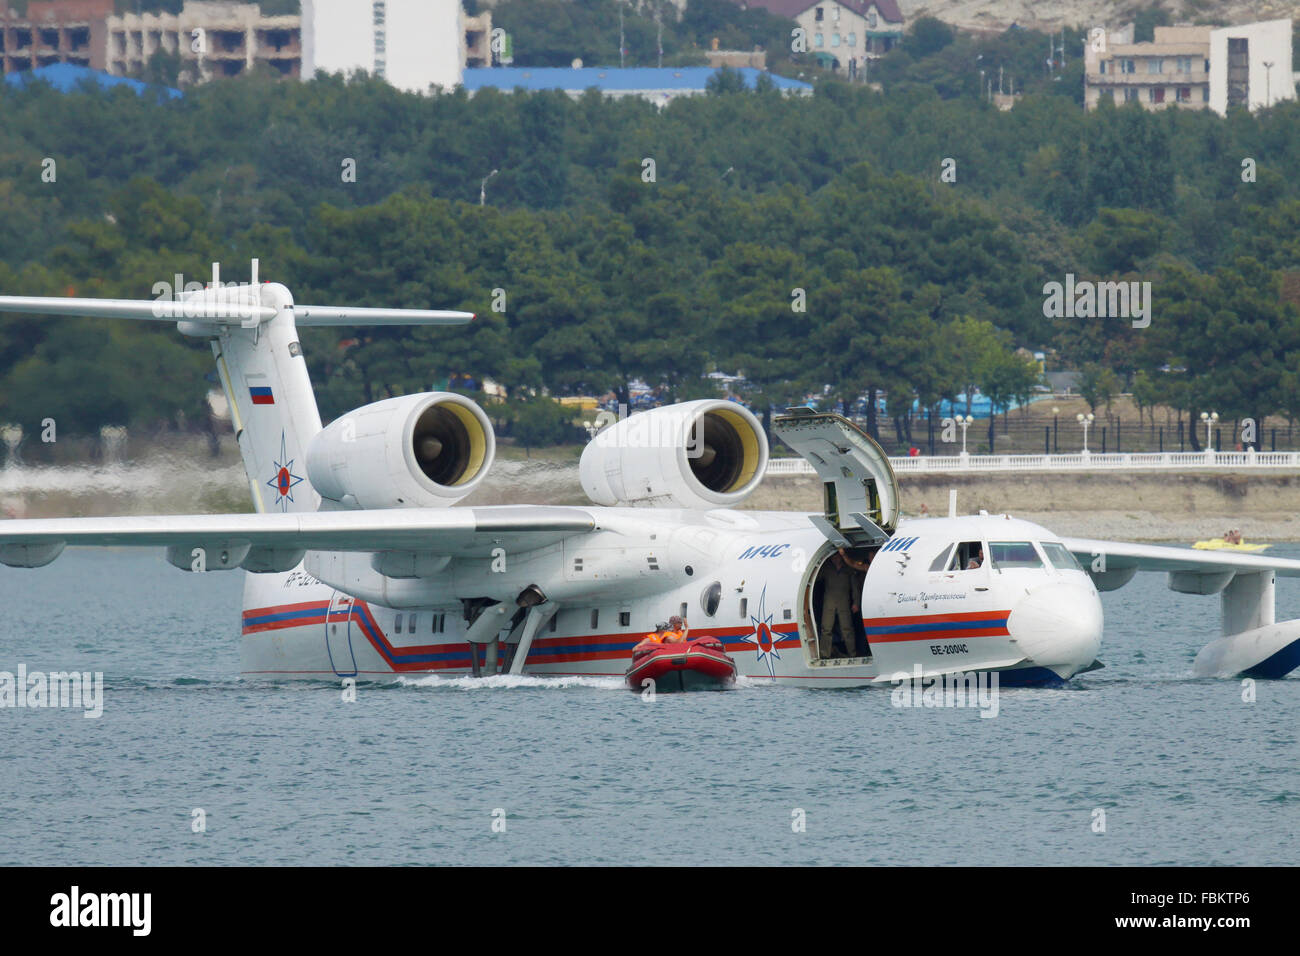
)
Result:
{"points": [[482, 187], [1055, 411], [965, 421], [1085, 421], [1210, 419], [1268, 83]]}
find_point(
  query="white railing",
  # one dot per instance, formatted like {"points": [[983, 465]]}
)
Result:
{"points": [[1134, 461]]}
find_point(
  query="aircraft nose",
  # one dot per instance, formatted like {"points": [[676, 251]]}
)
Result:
{"points": [[1058, 626]]}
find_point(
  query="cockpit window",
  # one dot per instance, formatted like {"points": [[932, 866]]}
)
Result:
{"points": [[941, 561], [1060, 556], [1014, 554], [968, 556]]}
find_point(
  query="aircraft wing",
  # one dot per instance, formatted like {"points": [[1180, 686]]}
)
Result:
{"points": [[471, 532], [1110, 561]]}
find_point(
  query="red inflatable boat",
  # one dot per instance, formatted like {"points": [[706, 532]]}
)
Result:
{"points": [[700, 663]]}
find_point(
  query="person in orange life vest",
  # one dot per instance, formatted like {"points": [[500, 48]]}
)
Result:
{"points": [[677, 629]]}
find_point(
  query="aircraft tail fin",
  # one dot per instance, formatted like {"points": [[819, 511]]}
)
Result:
{"points": [[254, 333]]}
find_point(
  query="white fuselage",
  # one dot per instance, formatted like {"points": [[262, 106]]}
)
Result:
{"points": [[745, 577]]}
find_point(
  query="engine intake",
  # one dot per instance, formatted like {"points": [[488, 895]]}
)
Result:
{"points": [[702, 454], [418, 451]]}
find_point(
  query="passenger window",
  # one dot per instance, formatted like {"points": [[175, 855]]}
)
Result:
{"points": [[941, 561], [711, 598], [968, 556], [744, 608], [595, 618], [1060, 556], [1014, 554], [410, 627], [397, 624], [624, 618]]}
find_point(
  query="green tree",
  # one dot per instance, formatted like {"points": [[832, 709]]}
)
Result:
{"points": [[538, 421], [1098, 385], [927, 36]]}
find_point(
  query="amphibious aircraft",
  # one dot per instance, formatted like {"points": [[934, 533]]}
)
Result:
{"points": [[358, 567]]}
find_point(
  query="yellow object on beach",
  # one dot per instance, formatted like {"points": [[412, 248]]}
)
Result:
{"points": [[1219, 544]]}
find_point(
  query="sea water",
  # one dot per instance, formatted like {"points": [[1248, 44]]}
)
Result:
{"points": [[1137, 763]]}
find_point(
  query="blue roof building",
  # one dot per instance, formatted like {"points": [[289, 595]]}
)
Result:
{"points": [[66, 77], [658, 85]]}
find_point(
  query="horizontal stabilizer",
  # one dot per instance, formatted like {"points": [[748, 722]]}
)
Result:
{"points": [[156, 310], [223, 307], [329, 315]]}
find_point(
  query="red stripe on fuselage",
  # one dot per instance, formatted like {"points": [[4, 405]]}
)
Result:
{"points": [[933, 618], [362, 615], [942, 635], [995, 626]]}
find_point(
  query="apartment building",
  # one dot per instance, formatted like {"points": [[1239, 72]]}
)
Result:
{"points": [[63, 31], [214, 38], [1172, 70], [413, 44], [1191, 67], [1250, 66]]}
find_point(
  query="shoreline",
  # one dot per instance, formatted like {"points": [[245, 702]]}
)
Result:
{"points": [[1164, 506]]}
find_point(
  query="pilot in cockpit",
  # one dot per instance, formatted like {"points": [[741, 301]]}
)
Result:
{"points": [[976, 558]]}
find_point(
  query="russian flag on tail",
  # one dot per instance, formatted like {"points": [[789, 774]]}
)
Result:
{"points": [[261, 394]]}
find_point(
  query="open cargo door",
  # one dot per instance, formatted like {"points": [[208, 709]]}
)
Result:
{"points": [[859, 489]]}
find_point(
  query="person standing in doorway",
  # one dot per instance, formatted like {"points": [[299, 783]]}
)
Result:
{"points": [[839, 604]]}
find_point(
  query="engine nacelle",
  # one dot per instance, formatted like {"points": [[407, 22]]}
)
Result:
{"points": [[702, 454], [417, 451]]}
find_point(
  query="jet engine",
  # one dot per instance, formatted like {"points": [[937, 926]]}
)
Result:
{"points": [[417, 451], [702, 454]]}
